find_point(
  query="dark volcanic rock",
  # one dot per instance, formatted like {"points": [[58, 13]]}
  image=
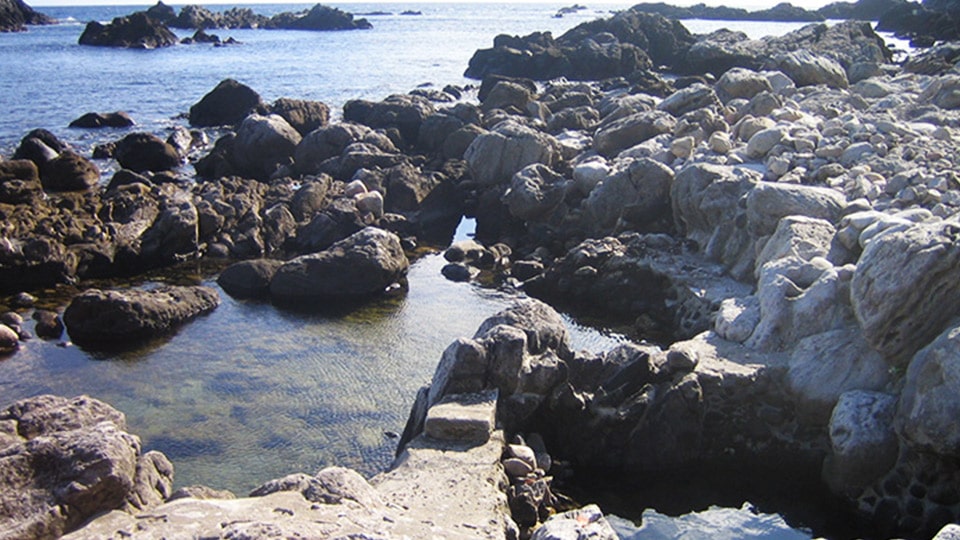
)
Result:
{"points": [[227, 104], [363, 264], [136, 31], [141, 152], [619, 46], [98, 317], [784, 12], [403, 111], [14, 15], [69, 172], [66, 460], [305, 116], [320, 17], [162, 12], [118, 119], [923, 26], [861, 10]]}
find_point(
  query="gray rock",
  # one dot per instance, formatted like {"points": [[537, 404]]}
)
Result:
{"points": [[331, 485], [328, 142], [9, 340], [797, 236], [926, 416], [862, 439], [951, 531], [98, 317], [806, 68], [506, 94], [67, 460], [824, 366], [907, 287], [535, 192], [694, 97], [304, 116], [737, 318], [768, 202], [741, 83], [763, 141], [621, 134], [49, 325], [263, 144], [362, 264], [944, 92], [495, 156], [641, 190]]}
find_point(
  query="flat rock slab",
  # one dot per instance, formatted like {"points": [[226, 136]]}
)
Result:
{"points": [[464, 418]]}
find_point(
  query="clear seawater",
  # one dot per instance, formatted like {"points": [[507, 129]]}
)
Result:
{"points": [[248, 392]]}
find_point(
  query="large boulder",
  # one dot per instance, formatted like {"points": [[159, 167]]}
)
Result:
{"points": [[769, 202], [136, 31], [67, 460], [263, 144], [495, 156], [141, 152], [907, 287], [363, 264], [103, 318], [329, 142], [806, 69], [929, 405], [638, 192], [226, 105]]}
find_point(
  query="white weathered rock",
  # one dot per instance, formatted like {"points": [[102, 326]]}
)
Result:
{"points": [[720, 142], [737, 318], [797, 236], [462, 417], [824, 366], [263, 143], [741, 83], [641, 188], [588, 174], [768, 202], [798, 299], [907, 287]]}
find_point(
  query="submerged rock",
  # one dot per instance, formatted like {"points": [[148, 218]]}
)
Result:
{"points": [[104, 318], [92, 120]]}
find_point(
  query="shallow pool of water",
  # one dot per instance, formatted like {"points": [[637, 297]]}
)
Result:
{"points": [[250, 392]]}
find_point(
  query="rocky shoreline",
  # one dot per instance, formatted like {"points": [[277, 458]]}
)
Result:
{"points": [[780, 227]]}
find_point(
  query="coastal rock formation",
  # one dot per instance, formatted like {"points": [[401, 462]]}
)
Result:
{"points": [[319, 17], [249, 279], [66, 460], [262, 144], [135, 31], [105, 318], [362, 264], [15, 15]]}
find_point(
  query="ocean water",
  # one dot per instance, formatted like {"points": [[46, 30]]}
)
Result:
{"points": [[248, 392], [47, 79]]}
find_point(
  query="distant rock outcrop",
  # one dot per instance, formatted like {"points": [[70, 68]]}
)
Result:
{"points": [[15, 15], [783, 12], [135, 31], [319, 17]]}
